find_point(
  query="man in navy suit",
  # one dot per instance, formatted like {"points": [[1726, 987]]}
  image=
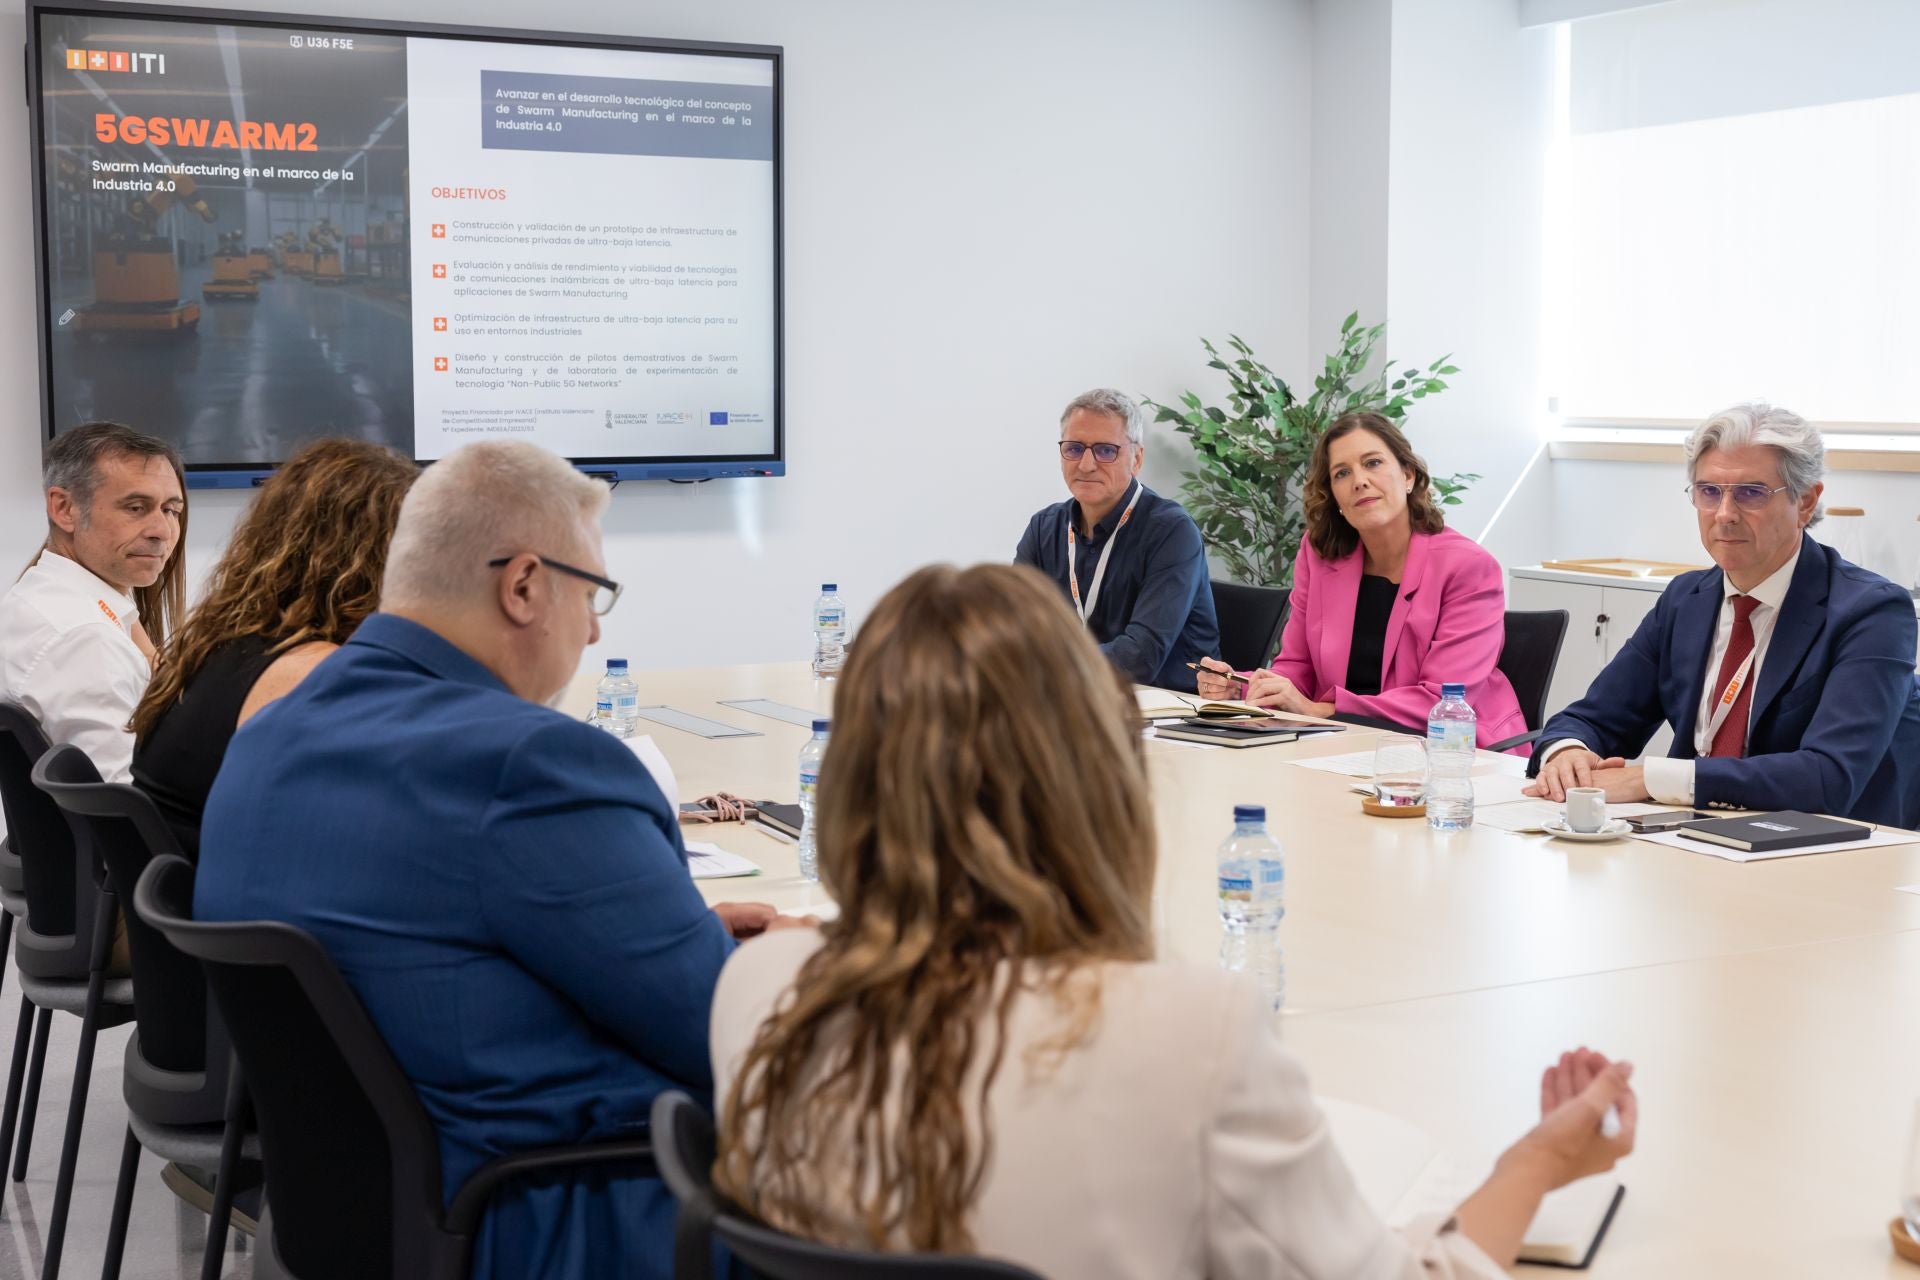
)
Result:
{"points": [[1787, 673], [503, 886]]}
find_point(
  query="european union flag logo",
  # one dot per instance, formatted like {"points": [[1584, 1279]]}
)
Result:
{"points": [[716, 419]]}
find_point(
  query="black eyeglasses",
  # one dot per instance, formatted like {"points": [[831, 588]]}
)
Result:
{"points": [[1074, 450], [606, 592], [1747, 497]]}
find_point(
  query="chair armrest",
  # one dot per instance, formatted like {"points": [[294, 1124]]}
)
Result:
{"points": [[463, 1215], [1508, 744]]}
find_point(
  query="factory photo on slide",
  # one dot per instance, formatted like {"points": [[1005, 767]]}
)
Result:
{"points": [[226, 235]]}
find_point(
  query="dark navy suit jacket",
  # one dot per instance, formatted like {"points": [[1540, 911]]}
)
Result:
{"points": [[504, 889], [1835, 720]]}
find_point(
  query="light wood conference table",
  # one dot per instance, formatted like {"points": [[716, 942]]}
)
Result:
{"points": [[1772, 1008]]}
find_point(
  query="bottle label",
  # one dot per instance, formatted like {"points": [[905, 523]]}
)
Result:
{"points": [[1450, 735], [1239, 887], [808, 781], [830, 619], [627, 704]]}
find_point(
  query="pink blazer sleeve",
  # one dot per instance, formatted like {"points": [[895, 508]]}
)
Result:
{"points": [[1466, 646], [1295, 659]]}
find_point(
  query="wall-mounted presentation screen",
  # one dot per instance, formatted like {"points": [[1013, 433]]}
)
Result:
{"points": [[253, 233]]}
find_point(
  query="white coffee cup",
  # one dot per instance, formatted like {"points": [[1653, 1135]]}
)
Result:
{"points": [[1586, 808]]}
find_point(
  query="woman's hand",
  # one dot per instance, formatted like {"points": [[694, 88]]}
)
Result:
{"points": [[1572, 1140], [1215, 680], [1575, 1094]]}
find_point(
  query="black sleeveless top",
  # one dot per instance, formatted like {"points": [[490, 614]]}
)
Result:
{"points": [[1370, 613], [178, 762]]}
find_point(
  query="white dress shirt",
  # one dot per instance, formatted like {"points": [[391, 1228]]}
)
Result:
{"points": [[1668, 780], [67, 656]]}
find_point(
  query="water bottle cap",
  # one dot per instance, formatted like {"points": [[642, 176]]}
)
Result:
{"points": [[616, 664], [1453, 691], [820, 726], [1249, 813], [828, 588]]}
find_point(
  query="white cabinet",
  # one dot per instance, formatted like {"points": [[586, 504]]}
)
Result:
{"points": [[1602, 613]]}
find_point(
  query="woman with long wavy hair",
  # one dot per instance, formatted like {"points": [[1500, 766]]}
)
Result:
{"points": [[981, 1054], [301, 571]]}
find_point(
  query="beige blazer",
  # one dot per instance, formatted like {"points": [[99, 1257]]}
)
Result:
{"points": [[1179, 1141]]}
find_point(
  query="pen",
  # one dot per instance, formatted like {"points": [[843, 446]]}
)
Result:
{"points": [[1245, 677]]}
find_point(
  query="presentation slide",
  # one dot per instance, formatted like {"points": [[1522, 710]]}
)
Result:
{"points": [[255, 236]]}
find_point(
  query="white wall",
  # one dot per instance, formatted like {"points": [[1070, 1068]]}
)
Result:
{"points": [[990, 207], [1471, 122], [1352, 86]]}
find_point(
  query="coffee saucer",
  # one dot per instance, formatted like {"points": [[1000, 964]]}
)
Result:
{"points": [[1614, 829]]}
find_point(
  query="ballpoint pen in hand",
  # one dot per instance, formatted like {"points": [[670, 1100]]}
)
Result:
{"points": [[1244, 677]]}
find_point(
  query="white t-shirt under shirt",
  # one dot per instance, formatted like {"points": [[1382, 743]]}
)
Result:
{"points": [[67, 655]]}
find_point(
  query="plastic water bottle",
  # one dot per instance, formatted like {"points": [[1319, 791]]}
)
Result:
{"points": [[1450, 743], [616, 700], [1253, 899], [810, 757], [829, 631]]}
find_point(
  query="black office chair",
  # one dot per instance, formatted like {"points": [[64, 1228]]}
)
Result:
{"points": [[684, 1143], [183, 1099], [1528, 657], [352, 1160], [1529, 653], [1251, 620], [61, 950]]}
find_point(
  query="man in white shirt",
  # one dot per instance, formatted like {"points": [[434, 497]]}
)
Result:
{"points": [[1786, 672], [79, 628]]}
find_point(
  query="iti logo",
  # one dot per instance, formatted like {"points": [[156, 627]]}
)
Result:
{"points": [[717, 418], [150, 64]]}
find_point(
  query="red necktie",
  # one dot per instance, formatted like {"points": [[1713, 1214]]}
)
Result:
{"points": [[1731, 740]]}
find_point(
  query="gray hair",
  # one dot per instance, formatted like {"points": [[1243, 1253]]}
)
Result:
{"points": [[1802, 453], [1113, 404], [72, 461], [480, 502]]}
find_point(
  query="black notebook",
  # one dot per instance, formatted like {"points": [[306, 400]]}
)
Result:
{"points": [[1251, 734], [784, 818], [1771, 832]]}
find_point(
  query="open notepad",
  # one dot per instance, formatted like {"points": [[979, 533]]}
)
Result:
{"points": [[1403, 1174]]}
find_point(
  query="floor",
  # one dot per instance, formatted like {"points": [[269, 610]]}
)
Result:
{"points": [[165, 1236], [257, 379]]}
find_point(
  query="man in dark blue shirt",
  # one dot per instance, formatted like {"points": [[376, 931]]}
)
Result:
{"points": [[1130, 562]]}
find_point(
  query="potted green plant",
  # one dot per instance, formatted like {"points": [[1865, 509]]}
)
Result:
{"points": [[1252, 455]]}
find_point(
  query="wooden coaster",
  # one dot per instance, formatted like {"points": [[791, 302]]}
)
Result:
{"points": [[1379, 810], [1903, 1244]]}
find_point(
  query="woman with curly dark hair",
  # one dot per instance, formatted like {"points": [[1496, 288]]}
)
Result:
{"points": [[301, 572], [1388, 603]]}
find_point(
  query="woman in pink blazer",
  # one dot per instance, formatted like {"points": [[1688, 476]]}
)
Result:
{"points": [[1388, 603]]}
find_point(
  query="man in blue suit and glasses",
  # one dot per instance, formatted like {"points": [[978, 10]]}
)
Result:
{"points": [[503, 886], [1786, 672]]}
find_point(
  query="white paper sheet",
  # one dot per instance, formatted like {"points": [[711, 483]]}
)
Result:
{"points": [[1674, 840], [710, 862], [1354, 764], [1530, 815]]}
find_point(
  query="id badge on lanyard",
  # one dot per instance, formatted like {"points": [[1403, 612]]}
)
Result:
{"points": [[1723, 706], [1100, 567]]}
